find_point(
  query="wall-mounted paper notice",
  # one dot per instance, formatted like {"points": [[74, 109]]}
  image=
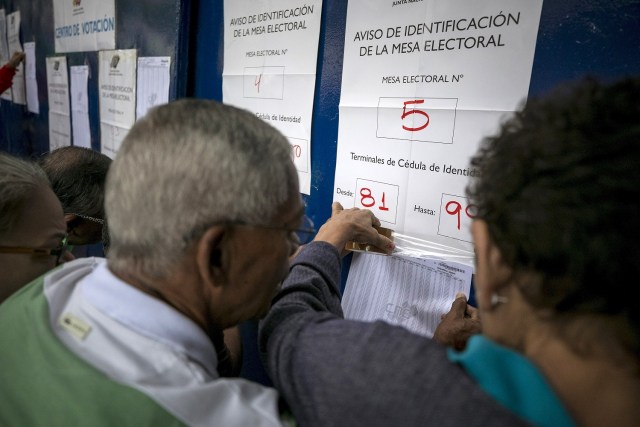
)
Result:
{"points": [[117, 91], [59, 112], [270, 55], [153, 83], [422, 84], [31, 82], [80, 106], [13, 40]]}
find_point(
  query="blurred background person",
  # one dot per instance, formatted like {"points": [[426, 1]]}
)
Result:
{"points": [[32, 227], [78, 176]]}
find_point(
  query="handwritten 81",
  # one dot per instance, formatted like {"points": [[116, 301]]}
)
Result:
{"points": [[380, 197]]}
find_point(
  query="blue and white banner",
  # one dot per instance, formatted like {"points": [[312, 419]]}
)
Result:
{"points": [[84, 25]]}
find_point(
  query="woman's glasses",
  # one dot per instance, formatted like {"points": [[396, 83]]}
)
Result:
{"points": [[56, 252]]}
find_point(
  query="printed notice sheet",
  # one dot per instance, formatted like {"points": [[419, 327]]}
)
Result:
{"points": [[270, 53], [405, 291], [4, 50], [423, 82], [153, 83], [33, 104], [117, 88], [86, 25], [13, 41], [59, 111], [80, 106]]}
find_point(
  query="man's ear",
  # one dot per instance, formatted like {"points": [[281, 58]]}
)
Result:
{"points": [[492, 273], [209, 256]]}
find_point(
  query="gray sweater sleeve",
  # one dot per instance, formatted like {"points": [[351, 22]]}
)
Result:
{"points": [[337, 372]]}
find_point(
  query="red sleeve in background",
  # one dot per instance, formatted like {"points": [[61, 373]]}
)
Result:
{"points": [[6, 77]]}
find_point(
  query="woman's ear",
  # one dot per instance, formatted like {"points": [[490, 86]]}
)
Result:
{"points": [[492, 273], [209, 256], [72, 221]]}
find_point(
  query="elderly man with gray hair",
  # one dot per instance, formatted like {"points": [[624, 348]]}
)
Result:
{"points": [[204, 213]]}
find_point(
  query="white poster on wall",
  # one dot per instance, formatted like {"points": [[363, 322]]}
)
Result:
{"points": [[117, 94], [270, 54], [153, 83], [422, 84], [84, 25], [80, 106], [13, 41], [58, 93], [31, 82]]}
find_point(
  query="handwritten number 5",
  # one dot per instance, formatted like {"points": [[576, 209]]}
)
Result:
{"points": [[406, 113]]}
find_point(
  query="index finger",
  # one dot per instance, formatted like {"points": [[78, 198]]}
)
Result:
{"points": [[384, 243]]}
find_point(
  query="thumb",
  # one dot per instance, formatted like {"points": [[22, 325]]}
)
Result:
{"points": [[459, 305], [336, 207]]}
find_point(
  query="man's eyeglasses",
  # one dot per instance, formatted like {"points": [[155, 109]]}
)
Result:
{"points": [[304, 233], [88, 218], [56, 252]]}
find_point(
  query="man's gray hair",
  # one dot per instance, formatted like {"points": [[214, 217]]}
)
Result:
{"points": [[188, 165], [18, 179]]}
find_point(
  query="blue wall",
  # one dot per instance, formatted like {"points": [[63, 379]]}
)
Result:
{"points": [[154, 27]]}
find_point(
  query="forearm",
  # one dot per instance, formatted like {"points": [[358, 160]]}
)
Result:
{"points": [[309, 295], [313, 283]]}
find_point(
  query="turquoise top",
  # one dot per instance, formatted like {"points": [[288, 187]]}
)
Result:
{"points": [[512, 380]]}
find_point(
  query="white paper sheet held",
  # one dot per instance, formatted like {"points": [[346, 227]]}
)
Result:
{"points": [[409, 292]]}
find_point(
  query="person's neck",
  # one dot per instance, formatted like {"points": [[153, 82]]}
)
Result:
{"points": [[183, 297], [596, 391]]}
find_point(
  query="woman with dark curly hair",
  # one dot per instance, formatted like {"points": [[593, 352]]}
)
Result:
{"points": [[557, 242]]}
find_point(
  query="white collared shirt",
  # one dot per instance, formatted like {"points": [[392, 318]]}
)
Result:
{"points": [[142, 342]]}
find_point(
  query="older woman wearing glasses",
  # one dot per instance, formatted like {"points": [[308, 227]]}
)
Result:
{"points": [[32, 228]]}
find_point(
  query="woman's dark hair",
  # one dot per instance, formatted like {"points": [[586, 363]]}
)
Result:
{"points": [[559, 189]]}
